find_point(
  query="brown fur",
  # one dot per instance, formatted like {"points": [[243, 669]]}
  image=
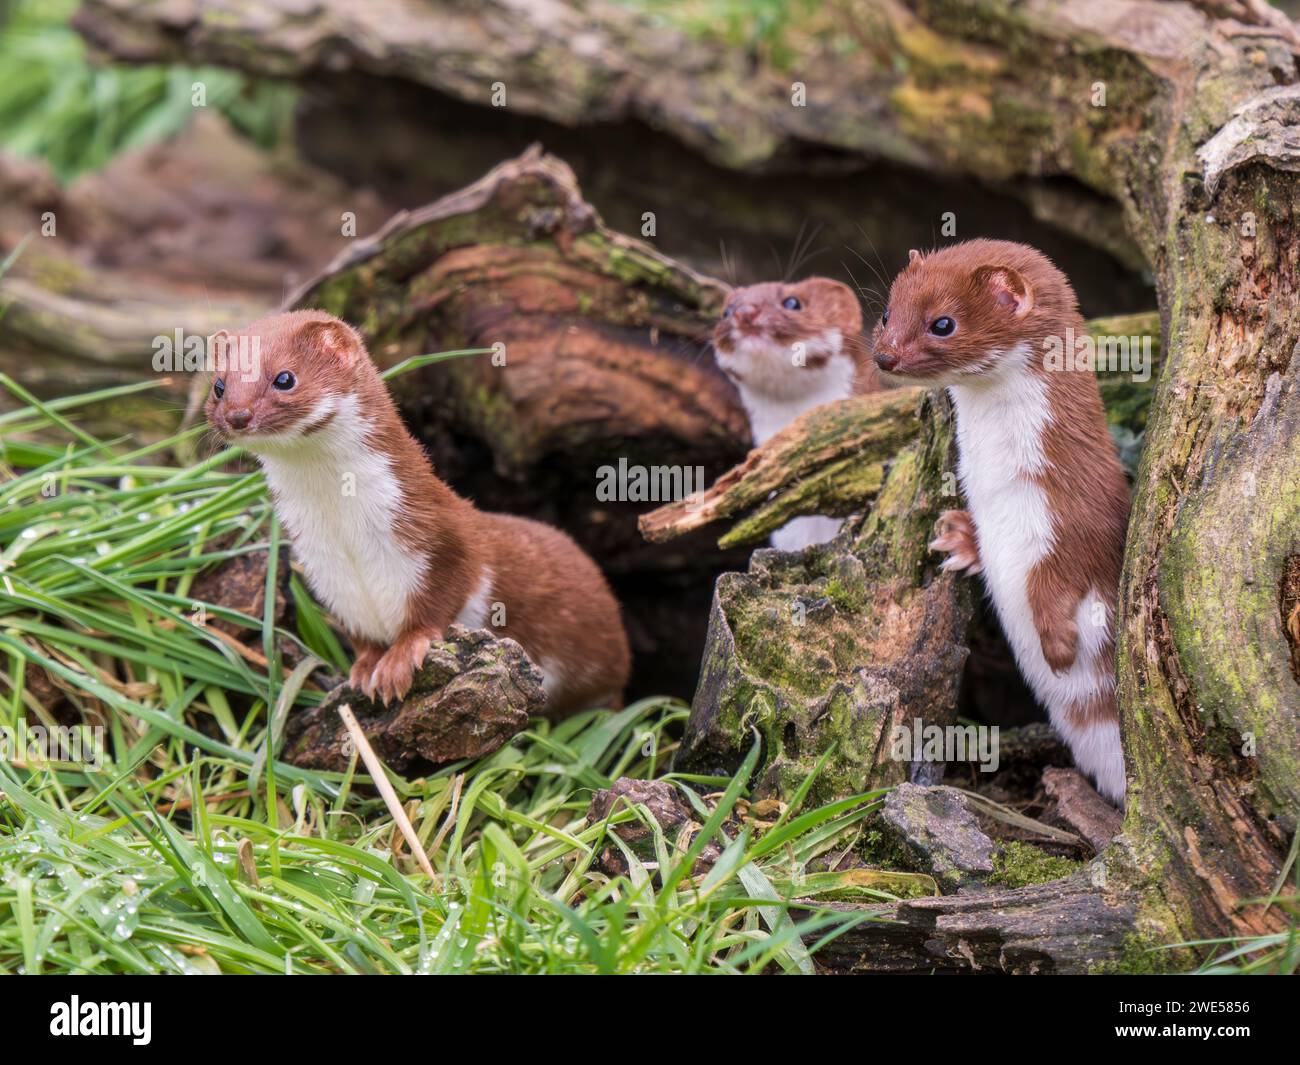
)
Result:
{"points": [[827, 304], [557, 603], [1001, 295]]}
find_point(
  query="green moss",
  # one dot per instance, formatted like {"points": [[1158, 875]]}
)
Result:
{"points": [[1139, 957], [1018, 864], [881, 848]]}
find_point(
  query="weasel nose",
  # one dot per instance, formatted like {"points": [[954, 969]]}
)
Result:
{"points": [[239, 419], [745, 313], [885, 360]]}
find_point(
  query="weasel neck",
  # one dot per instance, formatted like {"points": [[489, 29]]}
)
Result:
{"points": [[340, 500], [769, 412]]}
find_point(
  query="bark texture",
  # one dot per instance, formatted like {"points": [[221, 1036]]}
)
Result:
{"points": [[599, 332], [473, 694], [825, 651]]}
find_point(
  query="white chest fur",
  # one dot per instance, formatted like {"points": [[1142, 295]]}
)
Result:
{"points": [[337, 498], [1001, 418], [777, 384], [775, 389]]}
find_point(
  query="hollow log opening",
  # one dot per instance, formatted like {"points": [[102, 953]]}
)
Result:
{"points": [[810, 210]]}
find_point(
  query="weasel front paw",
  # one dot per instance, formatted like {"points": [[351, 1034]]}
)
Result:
{"points": [[364, 665], [957, 538], [391, 678]]}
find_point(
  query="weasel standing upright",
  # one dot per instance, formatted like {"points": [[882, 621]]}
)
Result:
{"points": [[395, 554], [788, 349], [1048, 502]]}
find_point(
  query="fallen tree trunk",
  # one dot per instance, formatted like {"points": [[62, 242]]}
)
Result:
{"points": [[886, 85]]}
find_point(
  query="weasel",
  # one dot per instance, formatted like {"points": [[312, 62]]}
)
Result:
{"points": [[1048, 501], [789, 348], [390, 549]]}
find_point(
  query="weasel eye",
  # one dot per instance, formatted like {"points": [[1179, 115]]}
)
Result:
{"points": [[284, 381], [726, 311], [942, 327], [791, 303], [884, 318], [218, 388]]}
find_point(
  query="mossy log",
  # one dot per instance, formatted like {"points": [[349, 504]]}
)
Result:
{"points": [[826, 651], [821, 87], [595, 336]]}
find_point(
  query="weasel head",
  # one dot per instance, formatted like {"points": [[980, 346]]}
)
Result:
{"points": [[955, 314], [780, 340], [281, 380]]}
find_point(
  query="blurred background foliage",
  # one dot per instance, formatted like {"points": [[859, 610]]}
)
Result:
{"points": [[58, 104]]}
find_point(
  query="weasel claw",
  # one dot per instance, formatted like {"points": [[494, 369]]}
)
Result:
{"points": [[957, 537]]}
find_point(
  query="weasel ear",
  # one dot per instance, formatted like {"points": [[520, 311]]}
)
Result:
{"points": [[1008, 287], [218, 348], [333, 338], [914, 257]]}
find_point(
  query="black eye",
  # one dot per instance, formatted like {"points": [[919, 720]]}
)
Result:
{"points": [[884, 318], [726, 311], [284, 381], [218, 388], [791, 303], [942, 327]]}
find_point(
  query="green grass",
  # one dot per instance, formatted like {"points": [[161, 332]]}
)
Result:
{"points": [[55, 104], [193, 848]]}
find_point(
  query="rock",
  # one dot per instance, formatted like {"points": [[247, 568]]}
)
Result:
{"points": [[473, 693], [939, 832], [665, 804]]}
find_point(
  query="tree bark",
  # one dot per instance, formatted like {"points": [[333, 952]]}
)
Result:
{"points": [[825, 652]]}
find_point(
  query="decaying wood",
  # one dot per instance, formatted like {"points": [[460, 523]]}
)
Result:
{"points": [[596, 335], [1065, 926], [1080, 807], [472, 695], [830, 649], [830, 461], [878, 82]]}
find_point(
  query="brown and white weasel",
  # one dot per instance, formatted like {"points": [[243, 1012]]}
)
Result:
{"points": [[789, 348], [1048, 502], [394, 553]]}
